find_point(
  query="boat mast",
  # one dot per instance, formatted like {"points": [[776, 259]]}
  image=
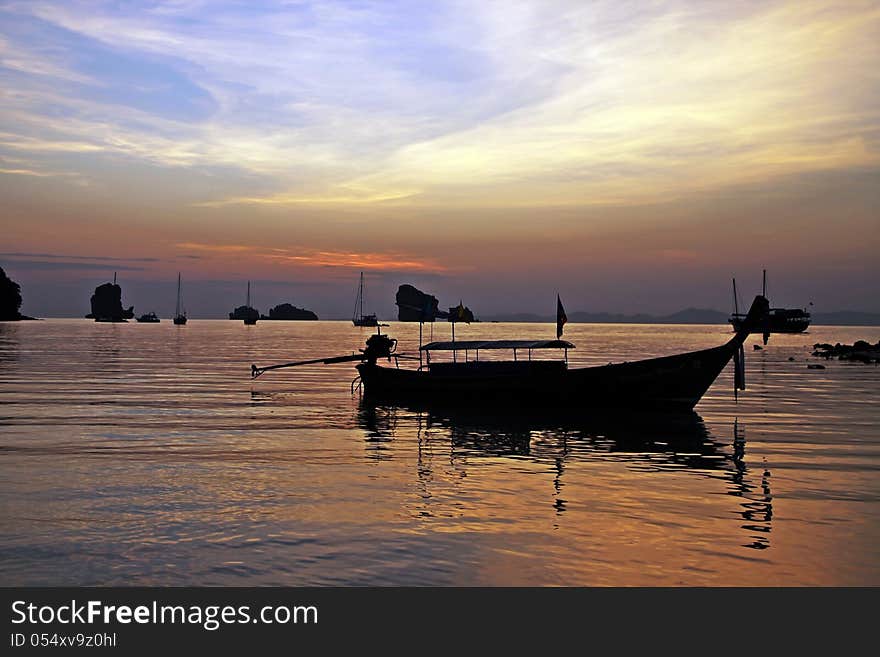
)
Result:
{"points": [[358, 302], [764, 288], [177, 312], [735, 303], [454, 352], [248, 302]]}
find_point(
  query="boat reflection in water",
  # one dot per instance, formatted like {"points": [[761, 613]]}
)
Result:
{"points": [[758, 506], [647, 443]]}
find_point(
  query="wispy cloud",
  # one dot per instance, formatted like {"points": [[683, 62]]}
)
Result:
{"points": [[337, 196], [22, 143], [65, 256], [378, 261], [70, 265], [216, 248], [495, 104], [373, 261], [24, 172]]}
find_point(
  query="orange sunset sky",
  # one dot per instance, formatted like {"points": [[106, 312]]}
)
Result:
{"points": [[631, 155]]}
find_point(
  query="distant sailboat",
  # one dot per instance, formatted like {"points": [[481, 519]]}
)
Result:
{"points": [[179, 317], [252, 315], [358, 318]]}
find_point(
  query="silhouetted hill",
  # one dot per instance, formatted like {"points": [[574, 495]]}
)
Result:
{"points": [[289, 312], [106, 304], [413, 305], [686, 316], [695, 316], [244, 312], [846, 318], [10, 298]]}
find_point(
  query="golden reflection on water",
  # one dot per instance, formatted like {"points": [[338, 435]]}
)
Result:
{"points": [[144, 454]]}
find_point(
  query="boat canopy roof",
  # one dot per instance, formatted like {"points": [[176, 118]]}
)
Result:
{"points": [[461, 345]]}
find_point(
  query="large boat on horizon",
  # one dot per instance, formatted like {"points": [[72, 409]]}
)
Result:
{"points": [[358, 318], [670, 383], [778, 320]]}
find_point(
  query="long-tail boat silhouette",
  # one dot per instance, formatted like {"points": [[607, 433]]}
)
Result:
{"points": [[778, 320], [358, 318], [668, 383]]}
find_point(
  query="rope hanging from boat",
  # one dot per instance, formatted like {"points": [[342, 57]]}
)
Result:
{"points": [[739, 371]]}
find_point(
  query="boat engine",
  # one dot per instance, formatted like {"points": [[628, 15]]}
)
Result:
{"points": [[379, 346]]}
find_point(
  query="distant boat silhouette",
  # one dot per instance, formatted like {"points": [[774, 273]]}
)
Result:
{"points": [[778, 320], [252, 315], [179, 318], [148, 318], [245, 312], [358, 318]]}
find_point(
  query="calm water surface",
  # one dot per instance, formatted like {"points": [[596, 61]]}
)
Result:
{"points": [[144, 454]]}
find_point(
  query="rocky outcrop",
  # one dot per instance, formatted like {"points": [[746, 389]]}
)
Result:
{"points": [[10, 298], [461, 314], [107, 304], [413, 305], [244, 312], [290, 312], [861, 351]]}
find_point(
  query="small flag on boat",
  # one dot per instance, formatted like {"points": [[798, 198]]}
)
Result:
{"points": [[561, 318]]}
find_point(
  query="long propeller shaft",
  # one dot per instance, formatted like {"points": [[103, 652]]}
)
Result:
{"points": [[257, 371]]}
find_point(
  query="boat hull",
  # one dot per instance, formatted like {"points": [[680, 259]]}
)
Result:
{"points": [[674, 383], [779, 321]]}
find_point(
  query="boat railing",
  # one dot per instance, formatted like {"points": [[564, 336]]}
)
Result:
{"points": [[515, 346]]}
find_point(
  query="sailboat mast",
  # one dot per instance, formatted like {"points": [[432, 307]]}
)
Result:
{"points": [[356, 313], [177, 312], [361, 297], [764, 288], [248, 302]]}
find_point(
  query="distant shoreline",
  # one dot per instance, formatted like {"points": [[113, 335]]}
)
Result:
{"points": [[688, 316], [493, 320]]}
